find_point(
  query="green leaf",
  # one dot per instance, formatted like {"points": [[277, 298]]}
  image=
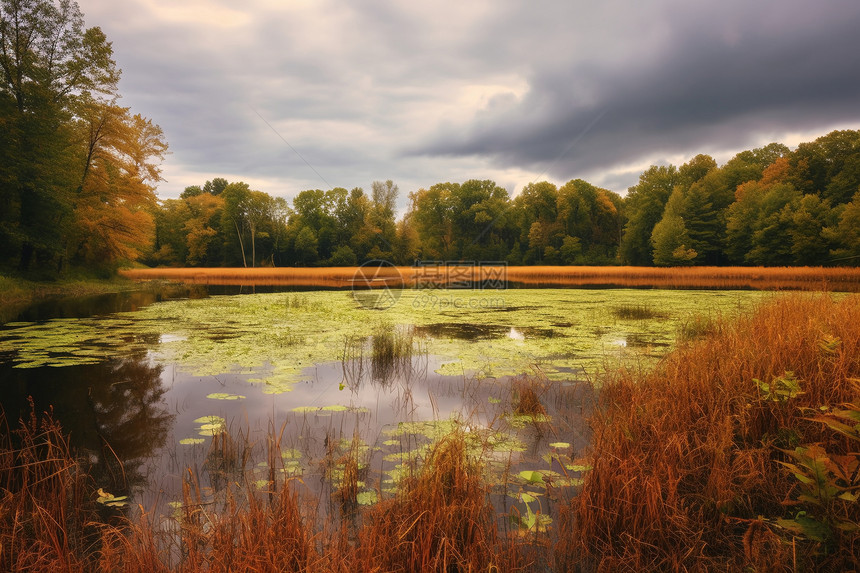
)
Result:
{"points": [[532, 476], [806, 526]]}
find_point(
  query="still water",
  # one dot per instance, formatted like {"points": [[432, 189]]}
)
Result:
{"points": [[269, 386]]}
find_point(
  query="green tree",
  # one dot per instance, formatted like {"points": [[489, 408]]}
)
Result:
{"points": [[593, 216], [430, 212], [216, 186], [828, 166], [48, 63], [306, 246], [845, 233], [671, 242], [236, 197], [644, 206]]}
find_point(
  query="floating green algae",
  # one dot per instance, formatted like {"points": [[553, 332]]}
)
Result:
{"points": [[367, 498], [481, 334]]}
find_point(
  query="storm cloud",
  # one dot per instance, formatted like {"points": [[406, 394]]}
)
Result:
{"points": [[512, 91], [716, 80]]}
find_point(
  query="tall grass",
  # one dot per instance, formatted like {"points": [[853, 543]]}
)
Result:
{"points": [[46, 504], [440, 521], [695, 466], [685, 473], [805, 278]]}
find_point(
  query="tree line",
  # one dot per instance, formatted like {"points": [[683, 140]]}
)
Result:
{"points": [[79, 175], [766, 206]]}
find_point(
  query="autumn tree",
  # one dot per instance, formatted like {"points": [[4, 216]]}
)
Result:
{"points": [[48, 63], [79, 171], [112, 218]]}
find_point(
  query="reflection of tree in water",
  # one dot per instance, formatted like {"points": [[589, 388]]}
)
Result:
{"points": [[113, 411], [129, 414]]}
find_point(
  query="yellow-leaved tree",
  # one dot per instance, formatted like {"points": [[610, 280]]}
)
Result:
{"points": [[112, 209]]}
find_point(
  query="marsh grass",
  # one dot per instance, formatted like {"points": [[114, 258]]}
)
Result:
{"points": [[526, 392], [637, 312], [391, 351], [47, 502], [685, 474], [806, 278], [441, 520], [698, 326]]}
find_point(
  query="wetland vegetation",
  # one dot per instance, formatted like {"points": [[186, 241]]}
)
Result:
{"points": [[517, 430], [288, 424]]}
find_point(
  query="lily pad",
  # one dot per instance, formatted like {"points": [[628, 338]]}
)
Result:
{"points": [[224, 396]]}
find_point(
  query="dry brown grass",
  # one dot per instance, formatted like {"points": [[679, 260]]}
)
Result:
{"points": [[684, 478], [803, 278], [684, 459], [46, 503], [441, 521]]}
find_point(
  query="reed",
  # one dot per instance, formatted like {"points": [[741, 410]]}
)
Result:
{"points": [[47, 501], [637, 312], [765, 278], [685, 473], [440, 521]]}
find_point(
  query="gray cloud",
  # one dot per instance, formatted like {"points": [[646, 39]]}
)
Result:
{"points": [[718, 80], [501, 89]]}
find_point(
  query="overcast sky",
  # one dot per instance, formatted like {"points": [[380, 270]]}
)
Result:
{"points": [[291, 95]]}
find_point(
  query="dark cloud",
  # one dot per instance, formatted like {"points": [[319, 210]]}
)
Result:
{"points": [[450, 90], [718, 80]]}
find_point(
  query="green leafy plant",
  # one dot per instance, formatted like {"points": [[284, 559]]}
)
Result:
{"points": [[829, 482], [780, 389]]}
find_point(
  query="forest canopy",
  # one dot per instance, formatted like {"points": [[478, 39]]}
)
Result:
{"points": [[79, 175], [766, 206]]}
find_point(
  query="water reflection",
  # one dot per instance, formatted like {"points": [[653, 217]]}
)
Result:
{"points": [[114, 412]]}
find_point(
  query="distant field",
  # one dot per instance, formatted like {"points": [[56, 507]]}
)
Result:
{"points": [[804, 278]]}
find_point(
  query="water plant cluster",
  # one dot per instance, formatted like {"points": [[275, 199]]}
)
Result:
{"points": [[276, 336]]}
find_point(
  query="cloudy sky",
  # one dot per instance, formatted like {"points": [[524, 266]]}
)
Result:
{"points": [[296, 94]]}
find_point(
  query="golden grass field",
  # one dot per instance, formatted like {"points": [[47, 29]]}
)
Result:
{"points": [[799, 278]]}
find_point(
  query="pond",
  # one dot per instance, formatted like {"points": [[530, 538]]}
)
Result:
{"points": [[270, 386]]}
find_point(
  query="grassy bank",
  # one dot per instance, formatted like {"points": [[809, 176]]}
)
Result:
{"points": [[739, 451], [17, 293]]}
